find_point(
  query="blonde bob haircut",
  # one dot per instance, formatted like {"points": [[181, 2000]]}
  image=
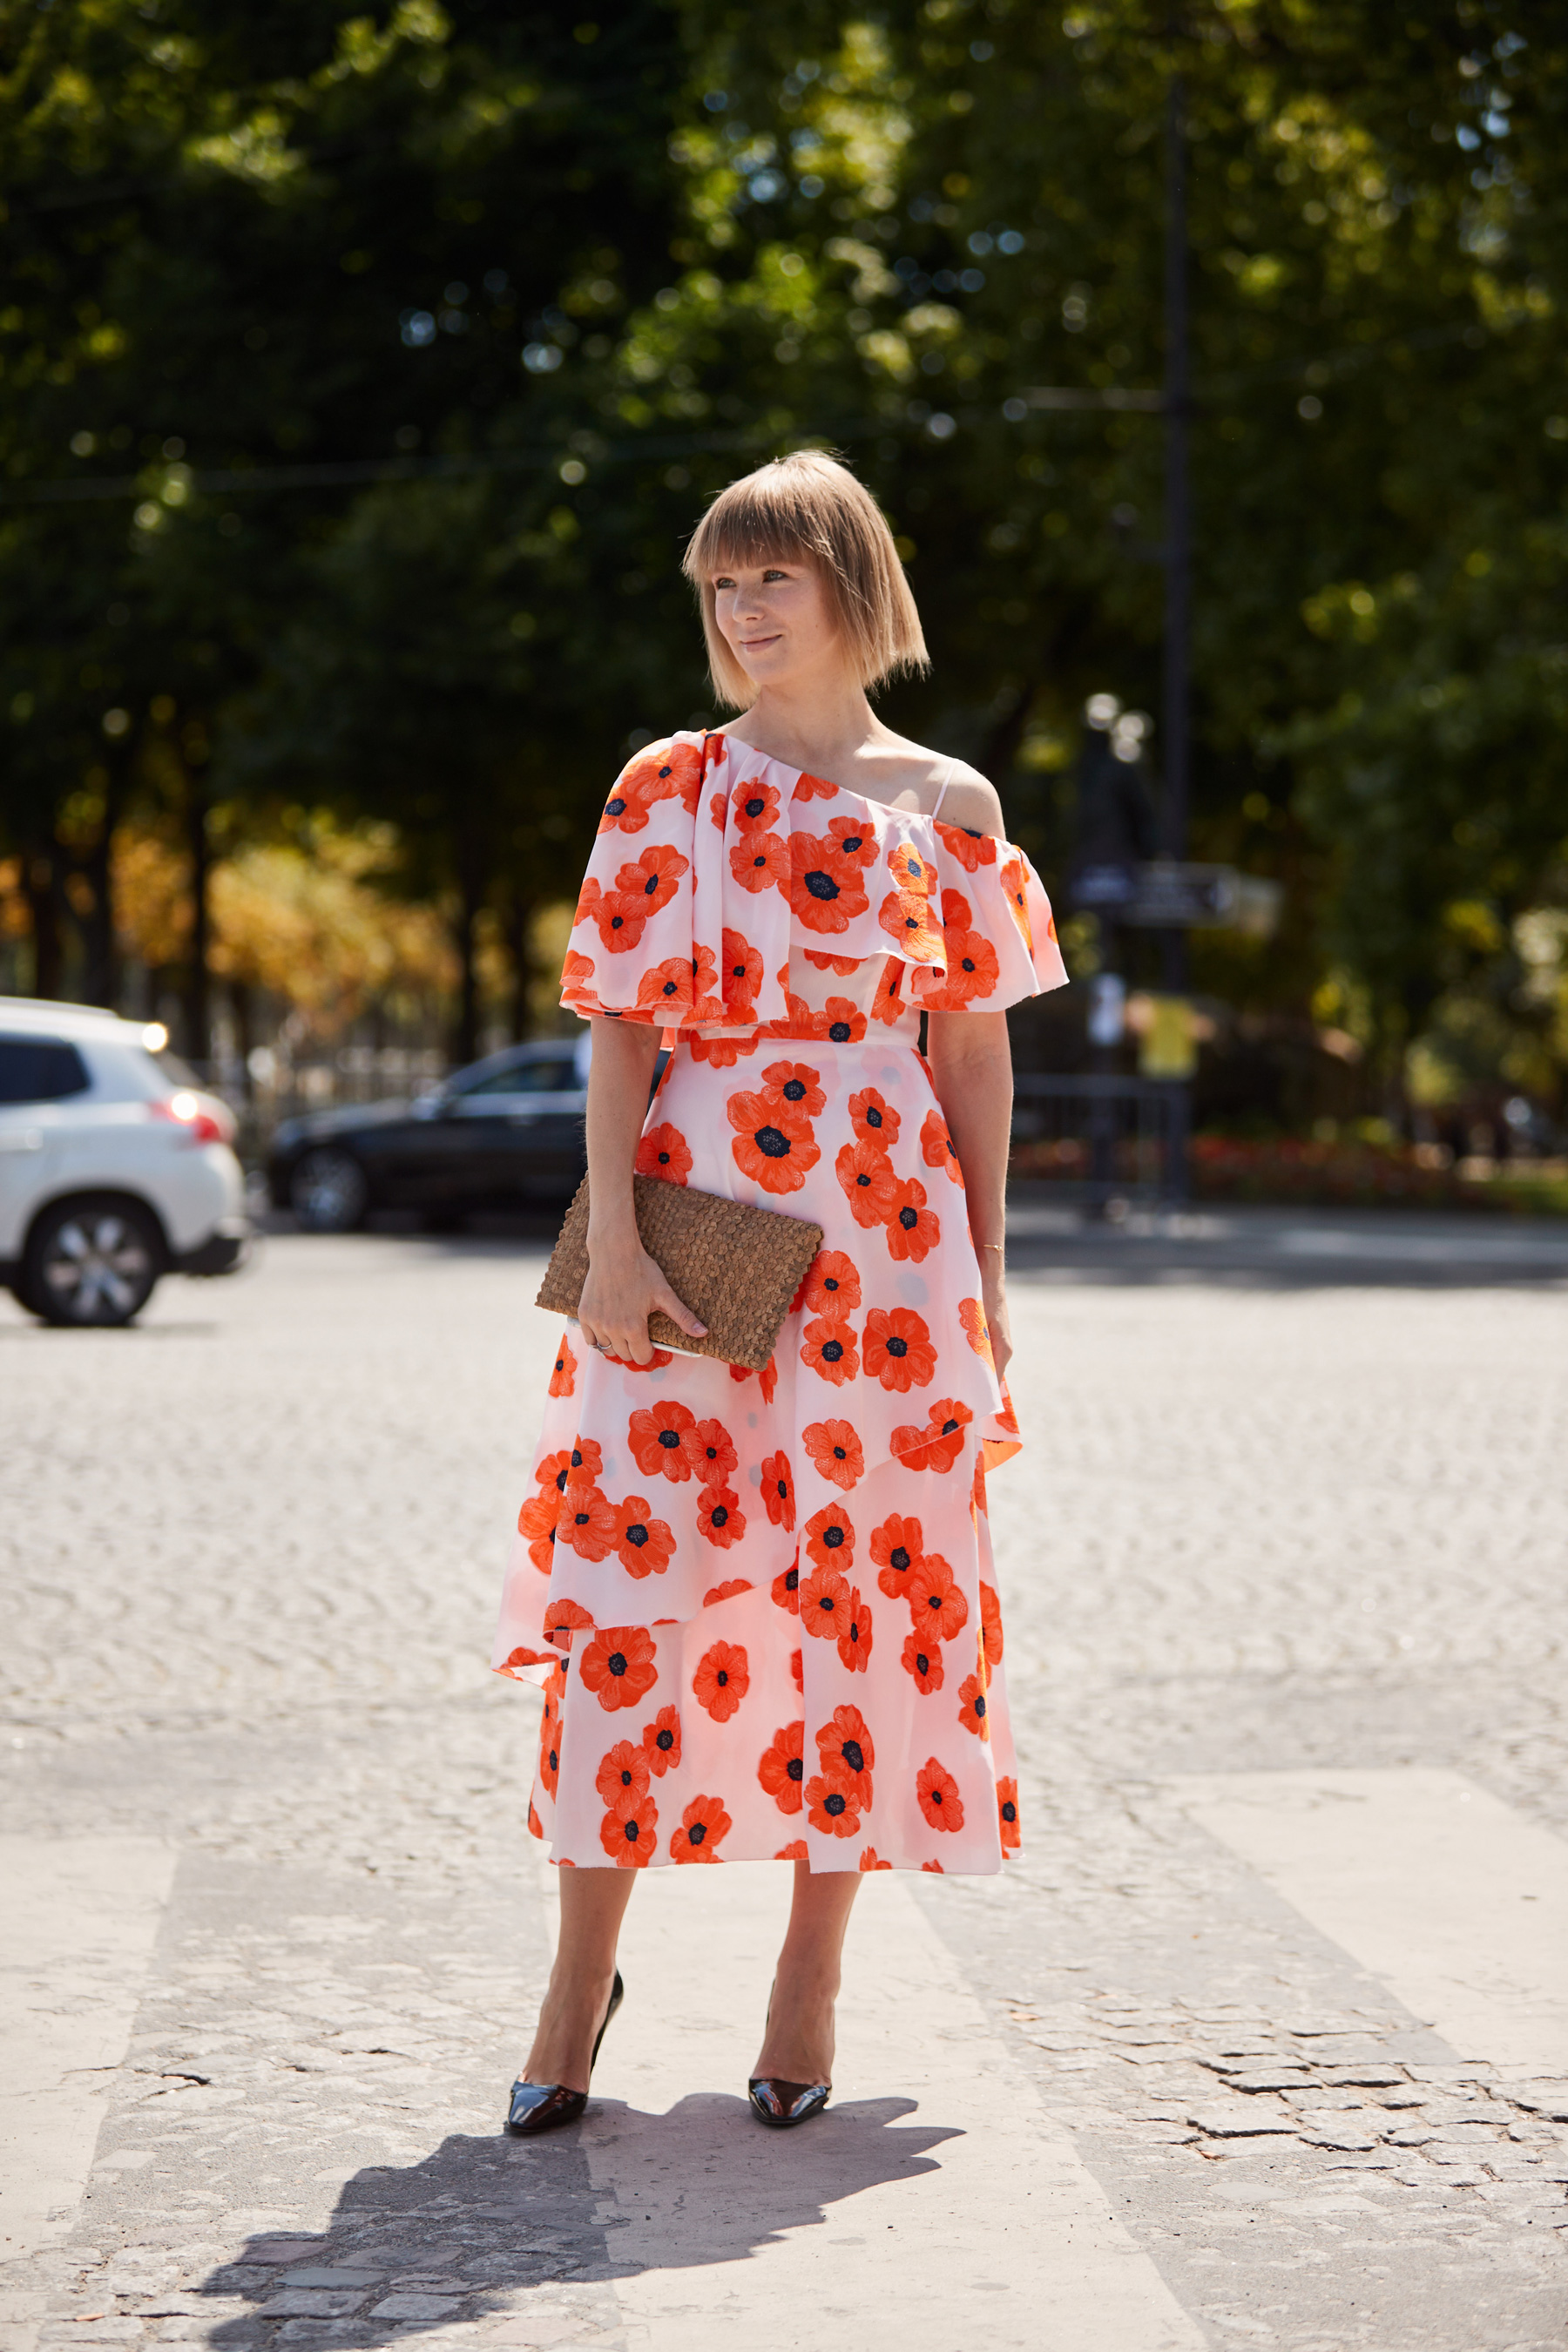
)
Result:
{"points": [[809, 509]]}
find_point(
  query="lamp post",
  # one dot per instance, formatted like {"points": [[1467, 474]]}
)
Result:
{"points": [[1178, 593]]}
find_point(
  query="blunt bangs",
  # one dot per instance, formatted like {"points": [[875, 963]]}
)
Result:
{"points": [[809, 509]]}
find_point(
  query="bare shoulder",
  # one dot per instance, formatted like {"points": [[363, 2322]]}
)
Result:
{"points": [[973, 803]]}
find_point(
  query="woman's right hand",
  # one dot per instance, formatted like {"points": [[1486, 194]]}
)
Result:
{"points": [[623, 1289]]}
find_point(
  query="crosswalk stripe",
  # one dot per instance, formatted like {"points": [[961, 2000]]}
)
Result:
{"points": [[933, 2206], [1452, 1897]]}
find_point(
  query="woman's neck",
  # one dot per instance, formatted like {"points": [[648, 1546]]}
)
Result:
{"points": [[819, 724]]}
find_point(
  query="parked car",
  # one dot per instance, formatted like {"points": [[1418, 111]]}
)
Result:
{"points": [[115, 1167], [502, 1133]]}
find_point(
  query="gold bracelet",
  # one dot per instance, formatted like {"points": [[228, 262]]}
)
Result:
{"points": [[997, 1246]]}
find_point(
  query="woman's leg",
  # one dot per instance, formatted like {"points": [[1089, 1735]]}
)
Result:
{"points": [[797, 2040], [593, 1905]]}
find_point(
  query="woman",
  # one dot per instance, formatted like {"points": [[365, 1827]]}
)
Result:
{"points": [[762, 1606]]}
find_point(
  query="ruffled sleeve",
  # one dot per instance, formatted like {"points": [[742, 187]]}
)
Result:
{"points": [[657, 934], [994, 921]]}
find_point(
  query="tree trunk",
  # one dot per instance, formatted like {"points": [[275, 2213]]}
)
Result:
{"points": [[466, 1042], [198, 989], [519, 916], [103, 980], [40, 887]]}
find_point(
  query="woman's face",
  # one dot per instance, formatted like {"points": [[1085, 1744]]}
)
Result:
{"points": [[776, 621]]}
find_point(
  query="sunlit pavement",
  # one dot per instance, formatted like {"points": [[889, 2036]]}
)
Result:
{"points": [[1265, 2042]]}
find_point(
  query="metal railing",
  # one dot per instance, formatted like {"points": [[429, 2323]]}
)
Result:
{"points": [[1104, 1138]]}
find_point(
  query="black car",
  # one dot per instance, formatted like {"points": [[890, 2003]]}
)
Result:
{"points": [[506, 1132]]}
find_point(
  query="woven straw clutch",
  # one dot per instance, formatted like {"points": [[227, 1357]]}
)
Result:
{"points": [[736, 1267]]}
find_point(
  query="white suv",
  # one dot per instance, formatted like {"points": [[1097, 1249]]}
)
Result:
{"points": [[114, 1166]]}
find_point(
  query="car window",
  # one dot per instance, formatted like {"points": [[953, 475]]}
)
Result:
{"points": [[536, 1078], [40, 1069]]}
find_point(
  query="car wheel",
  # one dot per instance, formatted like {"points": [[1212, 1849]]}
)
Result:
{"points": [[328, 1192], [92, 1264]]}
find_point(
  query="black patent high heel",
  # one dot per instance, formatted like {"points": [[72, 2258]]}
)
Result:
{"points": [[538, 2108], [773, 2101]]}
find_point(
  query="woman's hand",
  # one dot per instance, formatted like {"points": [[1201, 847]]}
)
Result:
{"points": [[623, 1289], [993, 1298]]}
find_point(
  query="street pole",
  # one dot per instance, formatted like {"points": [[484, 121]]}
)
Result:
{"points": [[1178, 590]]}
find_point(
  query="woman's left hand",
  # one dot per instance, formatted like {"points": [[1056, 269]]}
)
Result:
{"points": [[993, 1298]]}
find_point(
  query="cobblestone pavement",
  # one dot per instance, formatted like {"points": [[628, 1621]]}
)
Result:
{"points": [[251, 1554]]}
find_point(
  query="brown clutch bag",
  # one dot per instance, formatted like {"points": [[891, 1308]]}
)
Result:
{"points": [[736, 1267]]}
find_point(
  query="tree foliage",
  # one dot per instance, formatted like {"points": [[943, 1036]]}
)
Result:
{"points": [[424, 332]]}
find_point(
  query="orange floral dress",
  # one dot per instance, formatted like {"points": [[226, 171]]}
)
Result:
{"points": [[762, 1605]]}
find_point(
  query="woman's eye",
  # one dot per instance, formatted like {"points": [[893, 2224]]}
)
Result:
{"points": [[771, 576], [723, 581]]}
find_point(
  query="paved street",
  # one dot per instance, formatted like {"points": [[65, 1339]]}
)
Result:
{"points": [[1265, 2042]]}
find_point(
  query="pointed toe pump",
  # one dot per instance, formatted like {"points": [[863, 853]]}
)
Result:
{"points": [[543, 2106], [782, 2103]]}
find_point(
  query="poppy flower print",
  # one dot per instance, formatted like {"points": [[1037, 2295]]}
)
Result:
{"points": [[868, 1182], [628, 1831], [848, 1753], [836, 1451], [760, 861], [972, 850], [587, 1522], [854, 839], [830, 1537], [923, 1659], [938, 1148], [719, 1518], [938, 1445], [772, 1143], [787, 951], [666, 771], [829, 1349], [722, 1681], [712, 1451], [663, 1440], [755, 807], [826, 892], [898, 1547], [661, 1742], [937, 1792], [991, 1623], [536, 1524], [972, 1706], [824, 1604], [831, 1807], [913, 1230], [899, 1350], [643, 1544], [1014, 884], [972, 1314], [832, 1285], [618, 1665], [663, 1152], [740, 975], [937, 1604], [624, 1768], [703, 1826], [778, 1493], [781, 1770], [796, 1084], [873, 1120], [855, 1640]]}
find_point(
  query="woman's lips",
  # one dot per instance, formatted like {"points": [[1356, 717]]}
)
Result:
{"points": [[755, 645]]}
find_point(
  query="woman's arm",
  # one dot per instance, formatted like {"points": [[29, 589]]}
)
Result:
{"points": [[971, 1063], [624, 1285]]}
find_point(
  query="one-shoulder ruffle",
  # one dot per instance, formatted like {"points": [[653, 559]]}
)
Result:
{"points": [[722, 886]]}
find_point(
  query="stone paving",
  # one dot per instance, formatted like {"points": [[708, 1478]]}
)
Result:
{"points": [[251, 1557]]}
